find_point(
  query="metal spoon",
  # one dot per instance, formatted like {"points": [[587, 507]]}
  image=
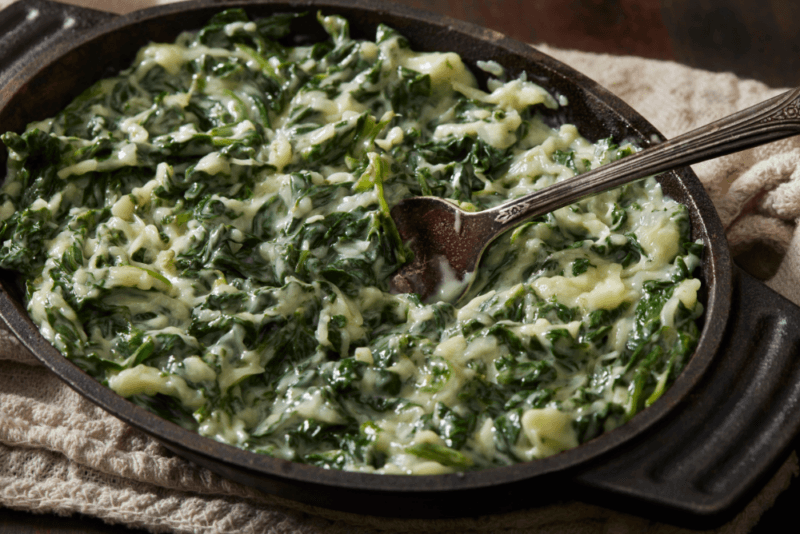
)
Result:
{"points": [[448, 242]]}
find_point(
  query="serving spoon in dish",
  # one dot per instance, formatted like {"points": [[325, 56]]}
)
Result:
{"points": [[448, 242]]}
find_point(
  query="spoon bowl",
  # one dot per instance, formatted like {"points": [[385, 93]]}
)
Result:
{"points": [[447, 243]]}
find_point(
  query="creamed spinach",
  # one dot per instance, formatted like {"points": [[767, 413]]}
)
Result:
{"points": [[208, 235]]}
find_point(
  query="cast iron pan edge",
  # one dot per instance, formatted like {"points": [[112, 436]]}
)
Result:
{"points": [[431, 496], [511, 54]]}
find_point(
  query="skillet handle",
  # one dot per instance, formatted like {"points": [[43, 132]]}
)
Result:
{"points": [[730, 435], [29, 26]]}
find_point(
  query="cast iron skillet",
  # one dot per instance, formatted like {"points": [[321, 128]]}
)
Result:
{"points": [[694, 457]]}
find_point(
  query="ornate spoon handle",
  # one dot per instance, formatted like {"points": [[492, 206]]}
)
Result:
{"points": [[773, 119]]}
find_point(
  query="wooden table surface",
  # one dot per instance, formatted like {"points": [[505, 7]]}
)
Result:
{"points": [[752, 38]]}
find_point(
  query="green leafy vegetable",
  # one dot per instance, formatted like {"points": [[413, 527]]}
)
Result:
{"points": [[209, 233]]}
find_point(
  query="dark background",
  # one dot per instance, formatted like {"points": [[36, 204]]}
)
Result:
{"points": [[753, 38]]}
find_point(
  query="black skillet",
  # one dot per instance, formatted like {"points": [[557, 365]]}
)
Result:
{"points": [[695, 457]]}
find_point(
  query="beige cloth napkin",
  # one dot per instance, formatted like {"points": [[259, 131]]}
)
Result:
{"points": [[59, 453]]}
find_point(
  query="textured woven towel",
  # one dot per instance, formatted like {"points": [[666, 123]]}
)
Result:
{"points": [[59, 453]]}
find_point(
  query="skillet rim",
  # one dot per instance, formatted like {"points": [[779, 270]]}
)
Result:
{"points": [[717, 275]]}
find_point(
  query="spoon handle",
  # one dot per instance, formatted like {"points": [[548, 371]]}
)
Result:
{"points": [[771, 120]]}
